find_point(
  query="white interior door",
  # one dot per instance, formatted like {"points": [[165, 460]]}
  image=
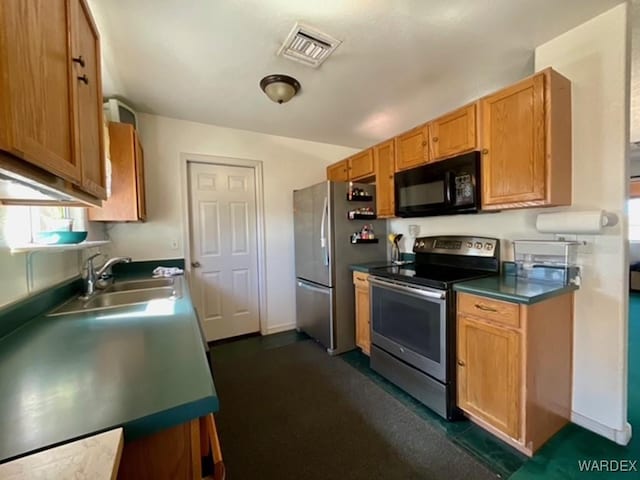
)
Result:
{"points": [[224, 258]]}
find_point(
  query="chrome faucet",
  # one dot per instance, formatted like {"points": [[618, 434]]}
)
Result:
{"points": [[94, 275]]}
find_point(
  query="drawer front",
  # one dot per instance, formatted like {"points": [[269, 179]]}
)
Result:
{"points": [[489, 309], [361, 279]]}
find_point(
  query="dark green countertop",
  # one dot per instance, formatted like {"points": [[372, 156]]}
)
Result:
{"points": [[62, 378], [367, 267], [513, 289]]}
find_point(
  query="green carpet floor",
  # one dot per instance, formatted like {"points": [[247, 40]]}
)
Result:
{"points": [[559, 458]]}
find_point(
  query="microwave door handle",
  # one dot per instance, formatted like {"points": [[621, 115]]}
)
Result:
{"points": [[448, 187]]}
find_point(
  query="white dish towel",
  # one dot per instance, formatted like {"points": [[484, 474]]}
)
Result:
{"points": [[167, 271]]}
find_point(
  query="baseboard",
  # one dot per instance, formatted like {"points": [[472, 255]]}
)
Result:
{"points": [[282, 327], [621, 437]]}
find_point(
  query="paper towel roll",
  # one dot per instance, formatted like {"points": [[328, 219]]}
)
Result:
{"points": [[575, 222]]}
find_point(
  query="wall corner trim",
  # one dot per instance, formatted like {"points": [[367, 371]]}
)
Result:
{"points": [[621, 437]]}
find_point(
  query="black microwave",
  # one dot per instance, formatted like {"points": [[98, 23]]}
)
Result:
{"points": [[446, 187]]}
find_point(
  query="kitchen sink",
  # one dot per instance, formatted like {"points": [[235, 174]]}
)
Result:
{"points": [[131, 293], [140, 285]]}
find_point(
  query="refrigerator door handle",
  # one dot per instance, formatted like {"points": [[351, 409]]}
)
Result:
{"points": [[323, 234], [313, 288]]}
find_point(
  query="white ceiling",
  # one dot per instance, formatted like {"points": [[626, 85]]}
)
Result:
{"points": [[401, 62]]}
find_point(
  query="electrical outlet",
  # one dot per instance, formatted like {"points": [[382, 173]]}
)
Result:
{"points": [[174, 244]]}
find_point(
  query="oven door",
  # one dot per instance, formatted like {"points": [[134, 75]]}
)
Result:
{"points": [[410, 322]]}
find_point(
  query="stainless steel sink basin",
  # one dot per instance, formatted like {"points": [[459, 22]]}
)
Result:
{"points": [[140, 285], [134, 295]]}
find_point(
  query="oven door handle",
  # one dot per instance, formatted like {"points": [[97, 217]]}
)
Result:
{"points": [[407, 289]]}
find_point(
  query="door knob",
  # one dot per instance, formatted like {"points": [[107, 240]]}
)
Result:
{"points": [[195, 264]]}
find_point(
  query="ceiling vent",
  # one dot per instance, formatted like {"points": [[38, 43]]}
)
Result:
{"points": [[307, 45]]}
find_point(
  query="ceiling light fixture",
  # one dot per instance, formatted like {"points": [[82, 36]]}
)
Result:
{"points": [[280, 88]]}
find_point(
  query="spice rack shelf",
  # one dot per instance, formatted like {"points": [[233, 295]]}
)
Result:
{"points": [[360, 216], [365, 240], [360, 198]]}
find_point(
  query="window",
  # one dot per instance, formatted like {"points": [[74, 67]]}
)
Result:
{"points": [[21, 224], [634, 219]]}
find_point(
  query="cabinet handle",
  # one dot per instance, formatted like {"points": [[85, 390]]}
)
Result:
{"points": [[360, 280], [435, 139], [485, 151], [84, 79], [479, 306], [461, 363], [79, 60]]}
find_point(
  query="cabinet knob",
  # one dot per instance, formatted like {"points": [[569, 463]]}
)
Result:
{"points": [[485, 151], [435, 139], [424, 143], [390, 177], [461, 363], [84, 79], [79, 60], [195, 264]]}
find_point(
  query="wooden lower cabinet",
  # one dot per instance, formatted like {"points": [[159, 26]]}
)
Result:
{"points": [[514, 367], [363, 318], [173, 454]]}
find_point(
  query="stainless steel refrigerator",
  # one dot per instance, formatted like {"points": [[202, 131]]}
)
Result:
{"points": [[324, 251]]}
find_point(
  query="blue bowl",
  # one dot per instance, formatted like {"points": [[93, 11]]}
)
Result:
{"points": [[60, 237]]}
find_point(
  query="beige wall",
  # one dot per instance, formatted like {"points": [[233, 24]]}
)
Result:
{"points": [[287, 164], [593, 57]]}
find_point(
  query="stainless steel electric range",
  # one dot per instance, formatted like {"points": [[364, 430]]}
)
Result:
{"points": [[413, 325]]}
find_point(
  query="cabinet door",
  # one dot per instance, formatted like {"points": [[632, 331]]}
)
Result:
{"points": [[361, 165], [126, 176], [338, 172], [88, 97], [453, 133], [489, 382], [142, 195], [384, 167], [36, 121], [363, 321], [412, 148], [513, 164]]}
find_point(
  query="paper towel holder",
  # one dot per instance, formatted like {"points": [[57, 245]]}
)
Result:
{"points": [[576, 222]]}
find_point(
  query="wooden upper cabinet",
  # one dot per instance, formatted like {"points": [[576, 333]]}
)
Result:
{"points": [[526, 144], [361, 165], [412, 148], [338, 172], [384, 157], [127, 201], [489, 376], [454, 133], [88, 99], [36, 118]]}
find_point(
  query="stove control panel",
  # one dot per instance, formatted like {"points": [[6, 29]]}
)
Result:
{"points": [[458, 245]]}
